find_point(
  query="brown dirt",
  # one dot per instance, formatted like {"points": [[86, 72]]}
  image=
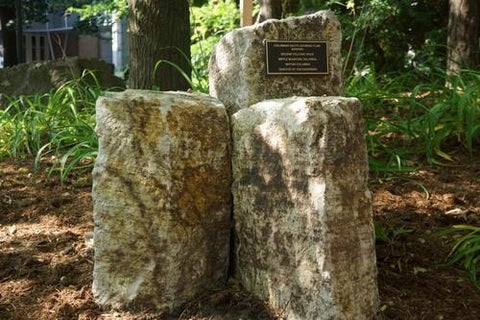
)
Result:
{"points": [[46, 258]]}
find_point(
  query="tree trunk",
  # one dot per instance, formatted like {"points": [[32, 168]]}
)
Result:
{"points": [[269, 9], [463, 34], [159, 31], [19, 32], [8, 35]]}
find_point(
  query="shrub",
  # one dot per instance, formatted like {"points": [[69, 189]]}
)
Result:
{"points": [[466, 250], [59, 124]]}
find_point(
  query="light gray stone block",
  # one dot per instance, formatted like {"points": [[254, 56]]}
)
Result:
{"points": [[237, 72], [162, 202], [302, 209]]}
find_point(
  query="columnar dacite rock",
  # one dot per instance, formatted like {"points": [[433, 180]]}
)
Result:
{"points": [[302, 210], [162, 201], [237, 72]]}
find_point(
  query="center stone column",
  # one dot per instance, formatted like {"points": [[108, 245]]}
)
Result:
{"points": [[304, 233], [304, 237]]}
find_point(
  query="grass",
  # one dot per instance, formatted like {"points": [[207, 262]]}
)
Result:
{"points": [[410, 122], [58, 125], [466, 250], [389, 235], [197, 80]]}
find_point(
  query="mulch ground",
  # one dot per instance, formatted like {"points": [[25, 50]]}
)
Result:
{"points": [[46, 256]]}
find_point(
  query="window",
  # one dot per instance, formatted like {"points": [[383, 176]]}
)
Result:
{"points": [[36, 48]]}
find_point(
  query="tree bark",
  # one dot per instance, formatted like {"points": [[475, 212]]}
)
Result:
{"points": [[8, 35], [463, 35], [159, 31], [269, 9], [19, 32]]}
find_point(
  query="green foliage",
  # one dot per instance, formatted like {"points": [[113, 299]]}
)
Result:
{"points": [[389, 235], [197, 81], [33, 10], [90, 8], [394, 35], [198, 3], [414, 117], [59, 125], [466, 250], [209, 23], [411, 116], [310, 5], [94, 13]]}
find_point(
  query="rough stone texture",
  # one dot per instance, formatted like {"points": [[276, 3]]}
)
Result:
{"points": [[41, 77], [302, 210], [237, 72], [162, 201]]}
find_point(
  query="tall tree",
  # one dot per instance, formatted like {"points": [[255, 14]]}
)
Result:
{"points": [[159, 31], [463, 35]]}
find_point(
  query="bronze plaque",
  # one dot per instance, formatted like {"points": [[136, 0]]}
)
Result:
{"points": [[296, 57]]}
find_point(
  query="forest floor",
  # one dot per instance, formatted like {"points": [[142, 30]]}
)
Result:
{"points": [[46, 255]]}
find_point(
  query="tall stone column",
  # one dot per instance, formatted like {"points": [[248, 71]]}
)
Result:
{"points": [[304, 237], [162, 202]]}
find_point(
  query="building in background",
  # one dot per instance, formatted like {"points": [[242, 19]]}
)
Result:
{"points": [[57, 38]]}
